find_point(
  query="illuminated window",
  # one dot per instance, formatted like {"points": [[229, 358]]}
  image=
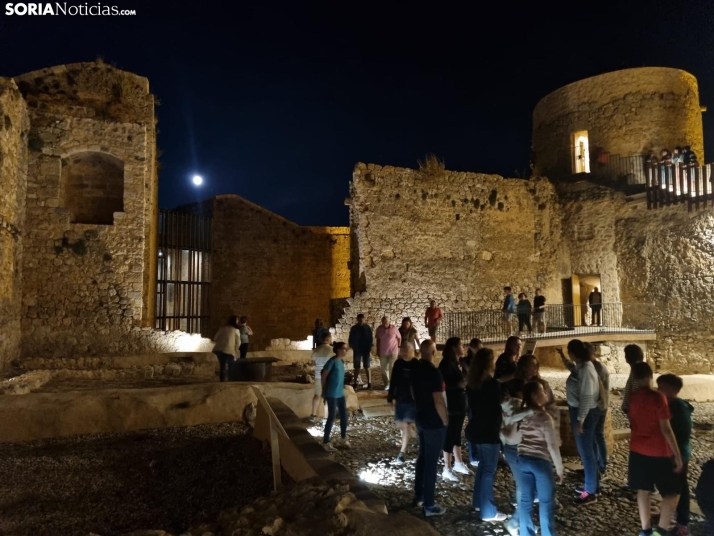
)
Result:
{"points": [[581, 152]]}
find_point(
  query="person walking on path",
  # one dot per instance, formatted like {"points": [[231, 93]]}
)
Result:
{"points": [[681, 422], [333, 388], [245, 333], [633, 354], [227, 345], [361, 341], [508, 311], [388, 342], [537, 449], [655, 460], [431, 421], [600, 440], [483, 430], [595, 302], [456, 406], [401, 398], [582, 392], [539, 311], [410, 339], [432, 319], [318, 333], [320, 356], [524, 309]]}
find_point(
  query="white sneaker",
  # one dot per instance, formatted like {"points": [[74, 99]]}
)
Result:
{"points": [[460, 467], [329, 447], [500, 516], [473, 463], [386, 387], [448, 475]]}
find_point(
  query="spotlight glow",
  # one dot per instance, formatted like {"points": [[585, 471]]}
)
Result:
{"points": [[197, 180]]}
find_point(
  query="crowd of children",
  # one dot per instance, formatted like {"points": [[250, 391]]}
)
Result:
{"points": [[510, 411]]}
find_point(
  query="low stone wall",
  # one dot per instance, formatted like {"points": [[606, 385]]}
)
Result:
{"points": [[47, 415]]}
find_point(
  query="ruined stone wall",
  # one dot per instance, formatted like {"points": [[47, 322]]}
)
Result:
{"points": [[589, 217], [666, 257], [14, 126], [454, 237], [279, 274], [87, 285], [625, 112]]}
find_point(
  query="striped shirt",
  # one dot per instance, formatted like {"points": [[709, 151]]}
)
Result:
{"points": [[539, 439], [583, 389]]}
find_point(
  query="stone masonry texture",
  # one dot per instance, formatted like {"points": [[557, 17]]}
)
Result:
{"points": [[455, 237], [626, 113], [281, 275], [14, 127], [90, 209]]}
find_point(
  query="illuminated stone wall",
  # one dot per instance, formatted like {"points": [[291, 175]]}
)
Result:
{"points": [[88, 288], [279, 274], [625, 112], [14, 125], [455, 237]]}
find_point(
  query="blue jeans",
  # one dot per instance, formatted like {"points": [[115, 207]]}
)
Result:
{"points": [[536, 475], [223, 360], [483, 483], [430, 443], [586, 446], [600, 443], [333, 404], [510, 452], [472, 446]]}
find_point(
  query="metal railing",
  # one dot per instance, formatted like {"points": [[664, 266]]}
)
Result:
{"points": [[561, 320], [601, 164], [672, 184]]}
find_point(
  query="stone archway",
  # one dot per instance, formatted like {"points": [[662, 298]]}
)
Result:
{"points": [[93, 187]]}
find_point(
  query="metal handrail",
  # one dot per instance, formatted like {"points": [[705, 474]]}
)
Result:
{"points": [[560, 319]]}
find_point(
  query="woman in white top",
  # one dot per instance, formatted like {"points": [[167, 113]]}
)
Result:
{"points": [[538, 447], [227, 344]]}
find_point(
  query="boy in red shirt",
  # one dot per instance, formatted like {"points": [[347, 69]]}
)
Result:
{"points": [[655, 460]]}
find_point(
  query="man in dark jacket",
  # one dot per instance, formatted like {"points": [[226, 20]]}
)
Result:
{"points": [[595, 302], [361, 340]]}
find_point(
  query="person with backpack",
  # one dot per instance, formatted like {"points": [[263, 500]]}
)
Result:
{"points": [[333, 391]]}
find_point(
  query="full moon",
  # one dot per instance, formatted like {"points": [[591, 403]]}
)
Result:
{"points": [[197, 180]]}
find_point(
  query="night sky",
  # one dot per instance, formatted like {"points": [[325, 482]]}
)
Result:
{"points": [[277, 103]]}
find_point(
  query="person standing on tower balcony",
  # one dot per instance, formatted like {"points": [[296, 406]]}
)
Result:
{"points": [[539, 311], [361, 341], [595, 302], [524, 309], [388, 342], [432, 319]]}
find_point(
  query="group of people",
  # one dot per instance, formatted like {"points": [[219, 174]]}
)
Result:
{"points": [[230, 341], [510, 411], [680, 155], [523, 310]]}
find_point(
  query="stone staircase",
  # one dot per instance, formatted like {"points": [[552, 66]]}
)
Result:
{"points": [[373, 403]]}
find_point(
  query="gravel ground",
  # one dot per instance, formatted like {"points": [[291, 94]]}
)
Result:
{"points": [[110, 484], [375, 443]]}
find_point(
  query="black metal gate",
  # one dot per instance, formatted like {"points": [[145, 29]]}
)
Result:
{"points": [[184, 272]]}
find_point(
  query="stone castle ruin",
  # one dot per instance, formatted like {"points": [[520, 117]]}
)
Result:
{"points": [[80, 254]]}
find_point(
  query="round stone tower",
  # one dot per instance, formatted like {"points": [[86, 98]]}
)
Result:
{"points": [[606, 124]]}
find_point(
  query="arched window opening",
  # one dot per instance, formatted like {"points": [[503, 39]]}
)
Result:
{"points": [[93, 187]]}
